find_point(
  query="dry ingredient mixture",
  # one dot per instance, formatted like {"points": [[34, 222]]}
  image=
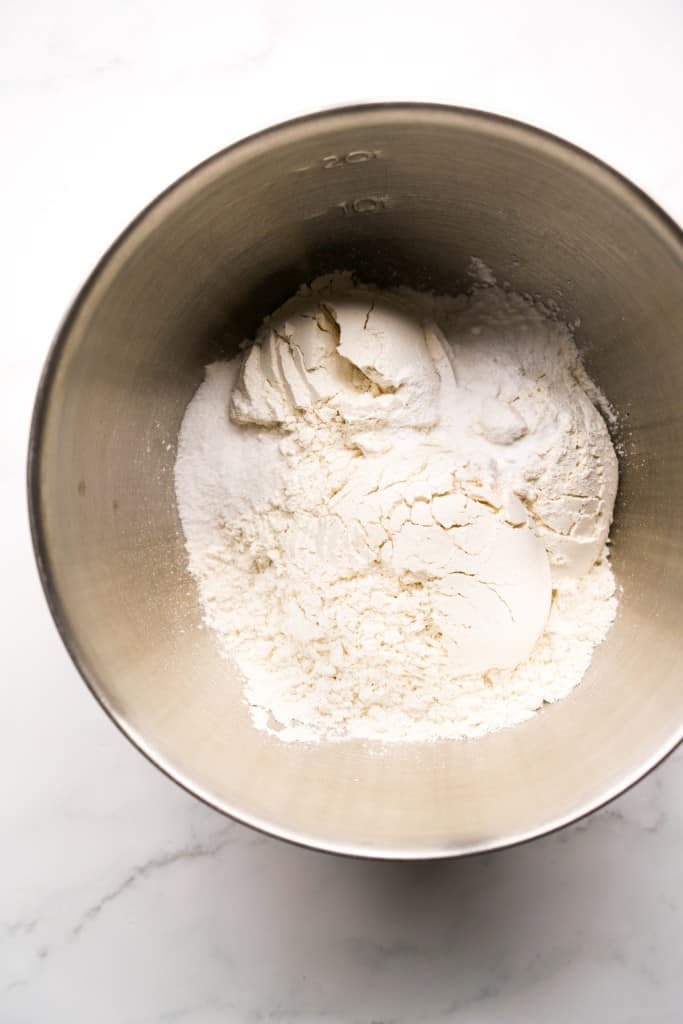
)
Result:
{"points": [[396, 508]]}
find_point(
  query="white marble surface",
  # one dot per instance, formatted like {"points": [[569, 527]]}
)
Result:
{"points": [[122, 900]]}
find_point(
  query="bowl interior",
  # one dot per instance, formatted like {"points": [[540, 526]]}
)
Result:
{"points": [[401, 194]]}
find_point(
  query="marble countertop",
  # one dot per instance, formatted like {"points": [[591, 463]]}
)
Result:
{"points": [[123, 900]]}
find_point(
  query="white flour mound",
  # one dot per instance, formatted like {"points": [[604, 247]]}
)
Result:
{"points": [[396, 508]]}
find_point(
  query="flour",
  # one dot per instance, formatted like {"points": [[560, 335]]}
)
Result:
{"points": [[396, 508]]}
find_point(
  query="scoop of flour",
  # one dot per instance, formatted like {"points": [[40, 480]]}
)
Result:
{"points": [[361, 357], [521, 402]]}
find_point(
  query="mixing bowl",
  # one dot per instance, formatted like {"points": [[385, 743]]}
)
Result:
{"points": [[401, 193]]}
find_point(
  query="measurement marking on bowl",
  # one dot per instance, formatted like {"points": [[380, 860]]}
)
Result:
{"points": [[365, 204], [355, 156]]}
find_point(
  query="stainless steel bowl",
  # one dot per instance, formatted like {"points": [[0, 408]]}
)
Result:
{"points": [[401, 193]]}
